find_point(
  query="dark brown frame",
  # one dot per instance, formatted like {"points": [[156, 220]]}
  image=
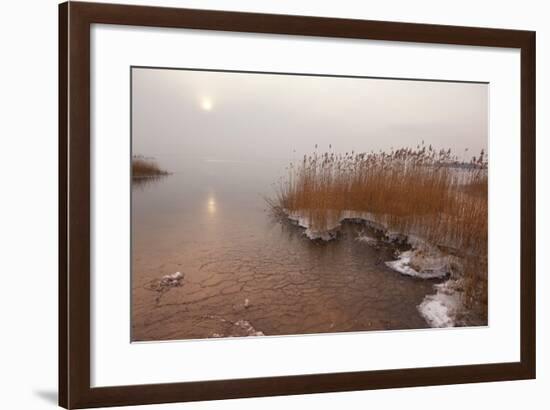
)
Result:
{"points": [[75, 20]]}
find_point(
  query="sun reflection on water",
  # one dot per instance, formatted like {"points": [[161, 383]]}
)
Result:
{"points": [[211, 205]]}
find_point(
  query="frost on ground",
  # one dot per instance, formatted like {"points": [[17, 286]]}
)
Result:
{"points": [[442, 308]]}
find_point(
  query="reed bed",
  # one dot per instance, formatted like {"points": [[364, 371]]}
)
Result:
{"points": [[143, 167], [424, 192]]}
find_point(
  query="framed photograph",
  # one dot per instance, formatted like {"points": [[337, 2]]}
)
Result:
{"points": [[255, 205]]}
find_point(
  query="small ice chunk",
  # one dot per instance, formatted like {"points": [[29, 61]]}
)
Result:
{"points": [[369, 240], [440, 309], [248, 328], [303, 221], [174, 276], [435, 312], [418, 264], [322, 235], [173, 279]]}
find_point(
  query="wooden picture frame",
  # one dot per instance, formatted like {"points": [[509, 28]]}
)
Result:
{"points": [[75, 20]]}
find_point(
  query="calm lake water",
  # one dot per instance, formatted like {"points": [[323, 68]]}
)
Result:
{"points": [[246, 273]]}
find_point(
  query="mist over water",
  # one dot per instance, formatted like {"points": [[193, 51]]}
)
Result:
{"points": [[236, 116]]}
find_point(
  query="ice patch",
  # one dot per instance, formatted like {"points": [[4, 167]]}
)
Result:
{"points": [[164, 284], [322, 235], [333, 226], [441, 308], [424, 261], [174, 276], [419, 264], [240, 328], [396, 237], [303, 221], [172, 280], [369, 240], [248, 328]]}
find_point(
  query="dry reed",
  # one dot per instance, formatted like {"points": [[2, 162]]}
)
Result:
{"points": [[424, 192], [143, 167]]}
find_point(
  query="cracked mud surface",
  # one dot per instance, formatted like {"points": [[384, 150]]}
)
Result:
{"points": [[245, 274]]}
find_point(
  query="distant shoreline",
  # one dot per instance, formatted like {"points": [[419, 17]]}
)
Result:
{"points": [[143, 167], [151, 176]]}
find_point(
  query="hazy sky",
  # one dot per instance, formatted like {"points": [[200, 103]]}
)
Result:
{"points": [[232, 116]]}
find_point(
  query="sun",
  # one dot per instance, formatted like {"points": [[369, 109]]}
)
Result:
{"points": [[206, 104]]}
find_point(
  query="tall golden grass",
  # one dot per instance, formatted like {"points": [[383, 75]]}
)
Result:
{"points": [[145, 167], [423, 192]]}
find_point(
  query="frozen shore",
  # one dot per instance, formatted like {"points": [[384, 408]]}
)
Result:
{"points": [[442, 308], [423, 260]]}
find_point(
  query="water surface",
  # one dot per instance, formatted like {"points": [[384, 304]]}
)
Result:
{"points": [[245, 273]]}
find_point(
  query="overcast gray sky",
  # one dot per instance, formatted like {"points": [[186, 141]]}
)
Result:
{"points": [[234, 116]]}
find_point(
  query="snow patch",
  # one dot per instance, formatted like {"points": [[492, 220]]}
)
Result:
{"points": [[441, 308], [424, 260], [420, 264]]}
